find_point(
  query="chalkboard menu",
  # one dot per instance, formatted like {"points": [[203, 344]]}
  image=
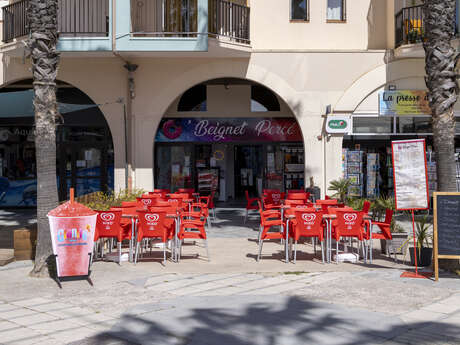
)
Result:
{"points": [[448, 224], [446, 239]]}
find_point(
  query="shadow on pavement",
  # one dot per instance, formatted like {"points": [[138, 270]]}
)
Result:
{"points": [[269, 320]]}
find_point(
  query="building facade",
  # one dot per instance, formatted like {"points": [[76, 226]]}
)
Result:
{"points": [[170, 92]]}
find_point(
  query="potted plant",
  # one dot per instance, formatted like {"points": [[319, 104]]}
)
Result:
{"points": [[413, 35], [423, 239], [340, 187]]}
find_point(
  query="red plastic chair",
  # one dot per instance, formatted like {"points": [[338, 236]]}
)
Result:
{"points": [[383, 234], [128, 204], [270, 191], [268, 220], [145, 202], [273, 200], [250, 205], [109, 225], [290, 191], [203, 206], [209, 201], [188, 191], [155, 195], [325, 204], [154, 224], [308, 222], [297, 196], [288, 202], [366, 206], [348, 224], [165, 191], [192, 227]]}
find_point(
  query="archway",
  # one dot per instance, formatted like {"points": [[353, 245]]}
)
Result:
{"points": [[229, 135], [85, 156]]}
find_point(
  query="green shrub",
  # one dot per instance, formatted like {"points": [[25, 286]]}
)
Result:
{"points": [[104, 201]]}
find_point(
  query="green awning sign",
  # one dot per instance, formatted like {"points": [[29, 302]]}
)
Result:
{"points": [[338, 124]]}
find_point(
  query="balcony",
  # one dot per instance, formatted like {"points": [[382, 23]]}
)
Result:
{"points": [[410, 27], [83, 25], [180, 25]]}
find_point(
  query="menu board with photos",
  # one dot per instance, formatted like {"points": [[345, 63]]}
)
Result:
{"points": [[410, 177]]}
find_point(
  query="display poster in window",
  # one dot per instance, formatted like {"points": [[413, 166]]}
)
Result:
{"points": [[410, 174]]}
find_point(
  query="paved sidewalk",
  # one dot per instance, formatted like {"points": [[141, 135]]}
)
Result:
{"points": [[231, 300], [132, 305]]}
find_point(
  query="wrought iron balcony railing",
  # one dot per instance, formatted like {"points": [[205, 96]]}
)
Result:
{"points": [[410, 25], [76, 18]]}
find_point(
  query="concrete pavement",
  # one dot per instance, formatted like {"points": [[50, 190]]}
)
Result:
{"points": [[231, 300], [147, 304]]}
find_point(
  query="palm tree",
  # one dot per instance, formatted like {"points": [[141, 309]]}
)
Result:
{"points": [[440, 61], [42, 18]]}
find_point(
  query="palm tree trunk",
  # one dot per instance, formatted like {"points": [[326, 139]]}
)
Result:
{"points": [[441, 80], [42, 16]]}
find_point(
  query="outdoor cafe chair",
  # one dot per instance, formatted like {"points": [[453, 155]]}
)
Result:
{"points": [[155, 195], [366, 206], [268, 220], [383, 234], [308, 222], [273, 199], [192, 227], [325, 204], [186, 190], [270, 191], [251, 204], [109, 225], [298, 196], [288, 202], [145, 202], [202, 207], [162, 191], [153, 223], [211, 205], [295, 191], [348, 224]]}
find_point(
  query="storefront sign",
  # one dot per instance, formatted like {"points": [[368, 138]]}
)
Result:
{"points": [[338, 124], [404, 102], [410, 176], [228, 130]]}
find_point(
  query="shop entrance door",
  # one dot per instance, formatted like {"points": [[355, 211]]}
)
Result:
{"points": [[248, 169], [82, 167]]}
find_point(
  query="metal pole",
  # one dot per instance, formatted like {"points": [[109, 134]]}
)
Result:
{"points": [[126, 145]]}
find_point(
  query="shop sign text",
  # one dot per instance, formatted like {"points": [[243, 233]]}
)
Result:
{"points": [[404, 102], [228, 130]]}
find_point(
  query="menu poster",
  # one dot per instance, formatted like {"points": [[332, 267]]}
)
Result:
{"points": [[410, 176]]}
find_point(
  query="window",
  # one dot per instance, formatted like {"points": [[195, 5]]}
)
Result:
{"points": [[336, 10], [262, 99], [194, 99], [373, 125], [299, 10]]}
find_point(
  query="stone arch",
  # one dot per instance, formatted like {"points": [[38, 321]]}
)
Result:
{"points": [[361, 88]]}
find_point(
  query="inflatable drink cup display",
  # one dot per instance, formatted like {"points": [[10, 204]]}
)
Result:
{"points": [[72, 227]]}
